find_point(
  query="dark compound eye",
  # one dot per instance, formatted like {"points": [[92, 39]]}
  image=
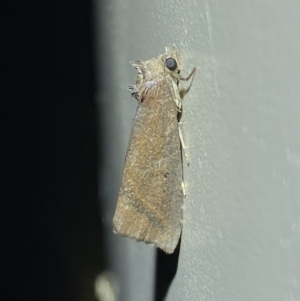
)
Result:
{"points": [[171, 64]]}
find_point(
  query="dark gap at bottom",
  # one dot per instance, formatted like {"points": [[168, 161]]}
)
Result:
{"points": [[166, 268]]}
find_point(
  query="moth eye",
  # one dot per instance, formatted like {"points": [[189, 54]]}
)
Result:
{"points": [[171, 64]]}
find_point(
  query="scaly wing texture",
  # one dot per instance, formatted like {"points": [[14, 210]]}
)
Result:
{"points": [[150, 202]]}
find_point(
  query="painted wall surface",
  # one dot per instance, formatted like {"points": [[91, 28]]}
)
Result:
{"points": [[241, 233]]}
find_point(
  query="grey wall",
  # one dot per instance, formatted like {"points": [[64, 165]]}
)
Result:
{"points": [[241, 234]]}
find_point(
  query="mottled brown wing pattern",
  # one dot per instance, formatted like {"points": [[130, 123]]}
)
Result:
{"points": [[150, 202]]}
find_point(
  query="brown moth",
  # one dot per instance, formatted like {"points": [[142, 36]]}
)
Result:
{"points": [[150, 203]]}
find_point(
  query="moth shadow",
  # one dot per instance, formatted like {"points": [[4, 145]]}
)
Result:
{"points": [[166, 268]]}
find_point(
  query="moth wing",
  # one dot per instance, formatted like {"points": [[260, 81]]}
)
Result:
{"points": [[150, 201]]}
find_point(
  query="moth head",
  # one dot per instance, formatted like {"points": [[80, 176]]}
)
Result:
{"points": [[171, 60], [171, 64]]}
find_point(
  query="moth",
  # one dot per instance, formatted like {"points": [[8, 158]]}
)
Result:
{"points": [[150, 203]]}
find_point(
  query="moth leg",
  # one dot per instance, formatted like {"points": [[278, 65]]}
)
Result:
{"points": [[184, 91], [175, 93], [183, 189], [187, 159], [189, 76]]}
